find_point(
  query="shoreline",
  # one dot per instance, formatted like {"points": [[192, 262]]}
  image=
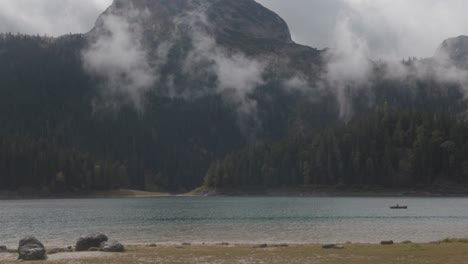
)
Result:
{"points": [[61, 247], [350, 253], [120, 193], [316, 191], [332, 191]]}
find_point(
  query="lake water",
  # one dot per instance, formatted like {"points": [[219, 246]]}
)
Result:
{"points": [[234, 220]]}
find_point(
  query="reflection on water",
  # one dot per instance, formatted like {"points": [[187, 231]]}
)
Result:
{"points": [[235, 219]]}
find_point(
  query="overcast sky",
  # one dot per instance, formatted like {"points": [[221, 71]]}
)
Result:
{"points": [[388, 28]]}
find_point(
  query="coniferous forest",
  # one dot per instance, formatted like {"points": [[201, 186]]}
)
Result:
{"points": [[386, 148], [60, 133], [56, 135]]}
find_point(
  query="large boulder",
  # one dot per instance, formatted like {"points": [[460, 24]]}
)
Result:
{"points": [[113, 246], [387, 242], [84, 243], [30, 248]]}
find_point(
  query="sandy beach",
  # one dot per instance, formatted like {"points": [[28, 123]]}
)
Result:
{"points": [[436, 253]]}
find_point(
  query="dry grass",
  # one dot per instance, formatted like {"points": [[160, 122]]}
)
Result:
{"points": [[454, 240], [446, 253], [125, 193]]}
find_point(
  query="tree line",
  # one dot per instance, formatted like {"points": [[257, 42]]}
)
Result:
{"points": [[42, 164], [386, 148]]}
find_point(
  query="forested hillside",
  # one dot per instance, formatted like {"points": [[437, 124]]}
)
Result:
{"points": [[387, 148], [53, 123], [159, 92]]}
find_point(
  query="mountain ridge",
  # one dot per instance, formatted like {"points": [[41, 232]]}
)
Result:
{"points": [[454, 51], [204, 81], [245, 19]]}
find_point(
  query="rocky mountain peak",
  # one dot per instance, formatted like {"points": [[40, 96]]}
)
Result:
{"points": [[455, 50], [239, 23]]}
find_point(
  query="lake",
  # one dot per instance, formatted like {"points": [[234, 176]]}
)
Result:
{"points": [[234, 219]]}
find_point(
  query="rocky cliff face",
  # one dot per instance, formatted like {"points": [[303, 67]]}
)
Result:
{"points": [[230, 22], [241, 25], [454, 50]]}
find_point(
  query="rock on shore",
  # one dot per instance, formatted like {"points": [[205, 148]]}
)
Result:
{"points": [[30, 248], [84, 243]]}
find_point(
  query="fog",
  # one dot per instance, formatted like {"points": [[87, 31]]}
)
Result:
{"points": [[356, 31], [396, 28]]}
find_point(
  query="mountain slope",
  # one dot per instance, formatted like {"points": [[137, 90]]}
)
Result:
{"points": [[159, 90], [455, 50], [187, 115]]}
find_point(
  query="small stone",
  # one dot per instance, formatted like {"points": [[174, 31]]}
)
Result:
{"points": [[113, 246], [3, 249], [186, 244], [261, 246], [223, 244], [333, 246], [328, 246], [94, 249], [406, 242], [152, 245], [280, 245], [387, 242]]}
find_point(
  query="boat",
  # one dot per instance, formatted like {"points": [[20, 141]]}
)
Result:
{"points": [[399, 207]]}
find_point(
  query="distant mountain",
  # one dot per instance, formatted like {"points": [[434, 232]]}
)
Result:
{"points": [[234, 23], [454, 50], [242, 25], [159, 90]]}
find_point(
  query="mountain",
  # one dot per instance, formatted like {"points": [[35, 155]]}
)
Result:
{"points": [[160, 90], [455, 50], [233, 22], [238, 26], [151, 96]]}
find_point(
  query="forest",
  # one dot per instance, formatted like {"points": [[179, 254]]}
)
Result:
{"points": [[56, 135], [392, 149]]}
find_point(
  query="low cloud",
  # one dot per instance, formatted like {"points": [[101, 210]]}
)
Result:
{"points": [[368, 34], [121, 56], [401, 28], [357, 32], [397, 28], [349, 67], [117, 54], [235, 75], [50, 17]]}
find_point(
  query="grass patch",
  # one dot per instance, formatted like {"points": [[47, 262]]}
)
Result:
{"points": [[414, 247], [454, 240]]}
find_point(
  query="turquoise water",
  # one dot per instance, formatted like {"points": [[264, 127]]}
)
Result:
{"points": [[235, 220]]}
